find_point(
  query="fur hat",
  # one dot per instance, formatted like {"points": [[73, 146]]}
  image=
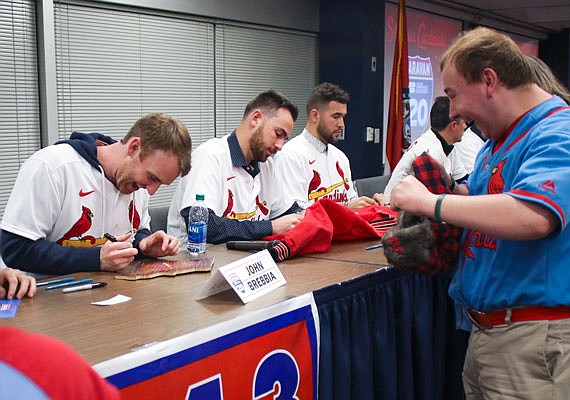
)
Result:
{"points": [[418, 243]]}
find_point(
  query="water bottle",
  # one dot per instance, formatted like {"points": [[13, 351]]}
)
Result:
{"points": [[197, 226]]}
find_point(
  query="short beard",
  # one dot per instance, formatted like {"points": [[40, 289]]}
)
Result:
{"points": [[255, 142], [327, 136]]}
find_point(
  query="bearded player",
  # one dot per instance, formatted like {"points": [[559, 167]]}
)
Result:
{"points": [[310, 166]]}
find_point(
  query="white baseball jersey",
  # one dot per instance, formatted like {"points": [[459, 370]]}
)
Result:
{"points": [[60, 197], [429, 143], [309, 170], [229, 191], [468, 148]]}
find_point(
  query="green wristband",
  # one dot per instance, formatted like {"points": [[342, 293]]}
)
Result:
{"points": [[438, 208]]}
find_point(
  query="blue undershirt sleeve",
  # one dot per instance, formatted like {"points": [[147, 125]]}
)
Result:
{"points": [[140, 235], [45, 257], [221, 229], [295, 208]]}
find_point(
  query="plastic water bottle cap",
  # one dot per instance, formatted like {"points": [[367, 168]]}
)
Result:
{"points": [[199, 197]]}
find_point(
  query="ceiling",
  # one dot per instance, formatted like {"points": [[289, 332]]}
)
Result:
{"points": [[535, 18]]}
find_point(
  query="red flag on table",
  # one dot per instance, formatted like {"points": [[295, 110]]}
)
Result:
{"points": [[398, 136]]}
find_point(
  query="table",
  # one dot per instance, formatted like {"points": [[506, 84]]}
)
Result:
{"points": [[111, 331], [383, 333]]}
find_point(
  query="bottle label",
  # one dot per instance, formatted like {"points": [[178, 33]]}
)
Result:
{"points": [[197, 234]]}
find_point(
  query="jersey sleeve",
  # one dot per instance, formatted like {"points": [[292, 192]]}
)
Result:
{"points": [[205, 178], [543, 176], [35, 202], [44, 257]]}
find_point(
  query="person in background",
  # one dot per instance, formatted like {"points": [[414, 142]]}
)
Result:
{"points": [[34, 366], [310, 166], [512, 276], [545, 78], [15, 284], [469, 146], [438, 142], [68, 195], [236, 174]]}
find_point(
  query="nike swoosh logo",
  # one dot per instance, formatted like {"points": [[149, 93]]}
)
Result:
{"points": [[311, 162], [83, 194], [230, 178]]}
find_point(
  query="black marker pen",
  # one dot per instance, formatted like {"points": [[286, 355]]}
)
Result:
{"points": [[110, 237]]}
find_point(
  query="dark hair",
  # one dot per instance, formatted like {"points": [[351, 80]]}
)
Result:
{"points": [[269, 102], [439, 114], [324, 93], [159, 131]]}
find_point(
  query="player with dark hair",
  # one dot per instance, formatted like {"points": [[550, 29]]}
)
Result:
{"points": [[438, 142], [236, 174], [310, 166]]}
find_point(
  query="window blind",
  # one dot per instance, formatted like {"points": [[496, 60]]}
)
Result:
{"points": [[114, 66], [250, 60], [19, 101]]}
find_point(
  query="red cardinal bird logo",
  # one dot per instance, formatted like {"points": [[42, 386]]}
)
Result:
{"points": [[135, 218], [341, 173], [80, 227], [261, 205], [315, 182], [496, 183], [230, 204]]}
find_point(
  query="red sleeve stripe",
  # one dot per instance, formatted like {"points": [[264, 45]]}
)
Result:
{"points": [[542, 198]]}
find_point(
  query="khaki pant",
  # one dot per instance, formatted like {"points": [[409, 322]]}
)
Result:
{"points": [[524, 360]]}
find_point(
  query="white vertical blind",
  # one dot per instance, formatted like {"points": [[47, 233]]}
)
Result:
{"points": [[19, 101], [114, 66], [251, 60]]}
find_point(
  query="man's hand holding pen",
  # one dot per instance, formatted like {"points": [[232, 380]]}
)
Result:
{"points": [[118, 254]]}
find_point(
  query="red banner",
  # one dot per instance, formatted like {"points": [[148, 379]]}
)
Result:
{"points": [[398, 134], [267, 354]]}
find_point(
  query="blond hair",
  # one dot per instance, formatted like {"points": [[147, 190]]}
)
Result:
{"points": [[481, 48]]}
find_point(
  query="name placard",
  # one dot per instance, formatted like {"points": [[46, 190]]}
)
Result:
{"points": [[250, 277]]}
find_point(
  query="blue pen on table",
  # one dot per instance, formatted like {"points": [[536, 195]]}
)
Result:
{"points": [[376, 246], [61, 280], [69, 284]]}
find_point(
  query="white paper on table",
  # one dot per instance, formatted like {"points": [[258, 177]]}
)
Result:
{"points": [[113, 300]]}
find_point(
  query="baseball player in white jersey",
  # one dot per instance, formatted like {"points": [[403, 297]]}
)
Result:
{"points": [[310, 167], [69, 195], [438, 142], [469, 146], [236, 175]]}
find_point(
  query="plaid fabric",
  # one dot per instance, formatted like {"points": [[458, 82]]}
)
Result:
{"points": [[419, 243], [326, 221]]}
